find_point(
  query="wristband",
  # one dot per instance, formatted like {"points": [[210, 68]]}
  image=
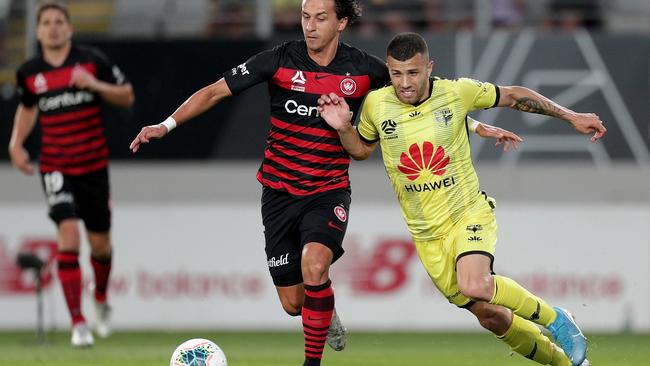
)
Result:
{"points": [[170, 123], [473, 124]]}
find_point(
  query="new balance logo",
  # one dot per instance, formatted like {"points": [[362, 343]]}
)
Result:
{"points": [[414, 114]]}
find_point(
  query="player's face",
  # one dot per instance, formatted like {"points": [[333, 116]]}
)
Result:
{"points": [[320, 24], [53, 30], [410, 78]]}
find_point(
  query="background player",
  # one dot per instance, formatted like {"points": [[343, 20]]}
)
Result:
{"points": [[64, 87], [306, 189], [452, 222]]}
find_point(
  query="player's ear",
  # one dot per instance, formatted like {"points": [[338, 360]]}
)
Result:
{"points": [[430, 67], [342, 24]]}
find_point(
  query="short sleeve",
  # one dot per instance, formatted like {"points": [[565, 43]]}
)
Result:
{"points": [[378, 72], [257, 69], [477, 94], [367, 127], [27, 98], [106, 70]]}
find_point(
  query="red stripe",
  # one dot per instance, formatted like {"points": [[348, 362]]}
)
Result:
{"points": [[355, 86], [297, 191], [310, 157], [70, 160], [305, 170], [77, 170], [72, 127], [74, 150], [288, 177], [302, 129], [58, 78], [306, 144], [319, 294], [69, 116], [67, 140]]}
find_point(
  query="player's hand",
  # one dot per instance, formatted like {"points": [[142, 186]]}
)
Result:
{"points": [[20, 159], [147, 133], [503, 137], [82, 79], [334, 110], [587, 123]]}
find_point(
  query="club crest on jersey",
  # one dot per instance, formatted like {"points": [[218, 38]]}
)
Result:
{"points": [[348, 86], [340, 213], [40, 83], [444, 115], [298, 81]]}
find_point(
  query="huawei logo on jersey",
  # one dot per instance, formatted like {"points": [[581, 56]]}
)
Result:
{"points": [[419, 160]]}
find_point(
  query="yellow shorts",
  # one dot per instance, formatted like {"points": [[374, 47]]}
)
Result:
{"points": [[475, 233]]}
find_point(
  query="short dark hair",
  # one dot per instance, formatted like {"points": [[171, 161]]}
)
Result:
{"points": [[51, 4], [350, 9], [406, 45]]}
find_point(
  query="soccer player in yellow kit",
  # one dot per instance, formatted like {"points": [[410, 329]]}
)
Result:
{"points": [[422, 126]]}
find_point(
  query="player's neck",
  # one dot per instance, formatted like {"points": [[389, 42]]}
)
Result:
{"points": [[57, 56], [324, 56]]}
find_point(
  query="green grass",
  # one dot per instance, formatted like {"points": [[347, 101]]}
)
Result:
{"points": [[270, 349]]}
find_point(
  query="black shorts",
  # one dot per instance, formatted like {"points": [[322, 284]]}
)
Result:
{"points": [[84, 196], [290, 222]]}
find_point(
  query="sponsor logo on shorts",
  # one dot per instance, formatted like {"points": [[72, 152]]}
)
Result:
{"points": [[340, 213], [474, 238], [474, 228], [284, 259]]}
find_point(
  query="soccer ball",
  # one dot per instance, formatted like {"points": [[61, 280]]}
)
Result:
{"points": [[198, 352]]}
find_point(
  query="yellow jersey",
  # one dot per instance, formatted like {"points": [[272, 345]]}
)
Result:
{"points": [[426, 150]]}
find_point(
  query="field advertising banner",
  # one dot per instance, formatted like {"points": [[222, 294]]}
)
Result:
{"points": [[204, 266]]}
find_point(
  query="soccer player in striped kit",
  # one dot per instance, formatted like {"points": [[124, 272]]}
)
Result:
{"points": [[63, 88], [306, 188]]}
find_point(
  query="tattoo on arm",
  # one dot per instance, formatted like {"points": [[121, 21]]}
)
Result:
{"points": [[530, 105]]}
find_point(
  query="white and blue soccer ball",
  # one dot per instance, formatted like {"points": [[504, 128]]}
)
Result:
{"points": [[198, 352]]}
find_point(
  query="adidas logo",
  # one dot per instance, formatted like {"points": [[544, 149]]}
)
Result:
{"points": [[421, 159]]}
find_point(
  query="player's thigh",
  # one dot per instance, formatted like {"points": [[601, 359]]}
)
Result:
{"points": [[280, 216], [92, 193], [325, 221], [439, 261], [59, 195], [476, 234]]}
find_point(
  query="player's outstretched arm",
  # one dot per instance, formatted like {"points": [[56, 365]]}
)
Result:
{"points": [[195, 105], [336, 112], [504, 137], [24, 122], [526, 100]]}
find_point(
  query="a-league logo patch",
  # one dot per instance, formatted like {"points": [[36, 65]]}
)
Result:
{"points": [[340, 213]]}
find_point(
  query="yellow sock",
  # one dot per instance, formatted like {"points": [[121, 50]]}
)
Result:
{"points": [[511, 295], [526, 338]]}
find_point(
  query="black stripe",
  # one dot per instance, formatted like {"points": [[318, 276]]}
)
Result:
{"points": [[302, 175], [316, 347], [498, 96], [71, 133], [317, 288], [307, 163], [71, 121], [532, 353], [314, 328], [319, 304], [487, 254], [91, 138], [68, 265], [468, 305], [366, 140], [334, 141]]}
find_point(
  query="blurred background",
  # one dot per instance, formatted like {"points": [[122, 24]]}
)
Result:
{"points": [[574, 216]]}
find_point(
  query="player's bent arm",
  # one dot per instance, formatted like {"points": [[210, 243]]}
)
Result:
{"points": [[527, 100], [117, 95], [354, 145], [24, 122], [197, 103], [201, 101]]}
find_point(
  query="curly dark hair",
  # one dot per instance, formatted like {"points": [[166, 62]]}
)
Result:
{"points": [[350, 9]]}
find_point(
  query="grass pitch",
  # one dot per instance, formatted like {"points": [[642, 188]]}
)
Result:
{"points": [[285, 348]]}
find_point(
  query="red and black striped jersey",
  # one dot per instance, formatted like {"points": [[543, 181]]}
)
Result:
{"points": [[303, 154], [73, 141]]}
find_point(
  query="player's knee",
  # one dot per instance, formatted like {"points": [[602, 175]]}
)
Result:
{"points": [[480, 288], [68, 231], [314, 271], [292, 308]]}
